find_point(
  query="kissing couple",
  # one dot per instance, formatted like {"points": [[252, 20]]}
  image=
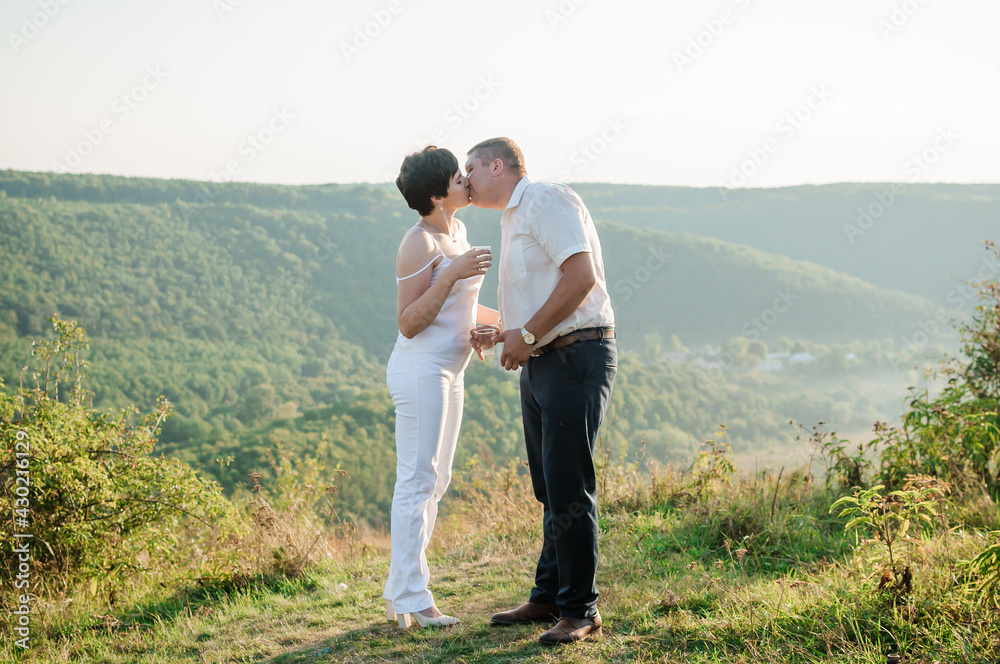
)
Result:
{"points": [[556, 325]]}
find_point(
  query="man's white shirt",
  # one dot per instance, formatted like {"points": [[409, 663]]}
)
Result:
{"points": [[542, 225]]}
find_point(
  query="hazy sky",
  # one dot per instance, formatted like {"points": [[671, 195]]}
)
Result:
{"points": [[643, 91]]}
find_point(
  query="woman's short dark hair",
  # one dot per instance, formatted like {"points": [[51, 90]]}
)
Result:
{"points": [[424, 174]]}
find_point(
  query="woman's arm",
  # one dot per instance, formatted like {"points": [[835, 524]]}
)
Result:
{"points": [[487, 316]]}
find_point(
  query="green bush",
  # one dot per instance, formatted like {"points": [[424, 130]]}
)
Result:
{"points": [[85, 484], [987, 566], [888, 518], [947, 442], [955, 436]]}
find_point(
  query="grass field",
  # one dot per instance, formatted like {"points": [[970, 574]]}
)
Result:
{"points": [[750, 570]]}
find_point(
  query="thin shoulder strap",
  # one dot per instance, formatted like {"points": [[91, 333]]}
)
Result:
{"points": [[429, 235], [434, 242], [398, 278]]}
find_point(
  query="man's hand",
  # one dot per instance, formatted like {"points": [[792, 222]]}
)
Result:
{"points": [[515, 352]]}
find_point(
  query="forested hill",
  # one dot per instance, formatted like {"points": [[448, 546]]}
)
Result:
{"points": [[265, 313], [140, 258], [905, 236]]}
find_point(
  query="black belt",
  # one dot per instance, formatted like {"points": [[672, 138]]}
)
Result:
{"points": [[585, 334]]}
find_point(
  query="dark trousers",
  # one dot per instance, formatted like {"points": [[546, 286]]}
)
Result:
{"points": [[564, 396]]}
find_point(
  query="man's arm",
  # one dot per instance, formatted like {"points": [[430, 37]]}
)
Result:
{"points": [[577, 280]]}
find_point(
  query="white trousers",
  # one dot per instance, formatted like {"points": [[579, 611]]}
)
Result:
{"points": [[428, 391]]}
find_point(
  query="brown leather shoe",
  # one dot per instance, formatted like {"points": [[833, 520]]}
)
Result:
{"points": [[568, 630], [527, 613]]}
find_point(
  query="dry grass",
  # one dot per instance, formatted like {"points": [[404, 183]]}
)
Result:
{"points": [[749, 569]]}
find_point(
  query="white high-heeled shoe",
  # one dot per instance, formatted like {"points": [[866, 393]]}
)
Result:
{"points": [[405, 620], [390, 615]]}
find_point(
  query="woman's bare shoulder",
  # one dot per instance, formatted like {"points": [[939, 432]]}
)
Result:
{"points": [[416, 250]]}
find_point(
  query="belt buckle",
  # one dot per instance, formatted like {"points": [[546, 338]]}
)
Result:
{"points": [[600, 333]]}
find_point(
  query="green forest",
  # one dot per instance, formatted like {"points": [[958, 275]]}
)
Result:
{"points": [[265, 314], [923, 239]]}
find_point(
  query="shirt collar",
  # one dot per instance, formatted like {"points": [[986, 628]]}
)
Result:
{"points": [[515, 197]]}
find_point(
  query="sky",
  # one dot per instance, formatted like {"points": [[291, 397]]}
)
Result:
{"points": [[735, 93]]}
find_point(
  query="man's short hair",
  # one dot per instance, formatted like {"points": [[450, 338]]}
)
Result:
{"points": [[503, 149], [424, 174]]}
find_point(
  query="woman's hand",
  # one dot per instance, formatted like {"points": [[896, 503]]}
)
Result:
{"points": [[472, 263], [481, 338]]}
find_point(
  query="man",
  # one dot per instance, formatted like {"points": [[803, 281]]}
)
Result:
{"points": [[559, 327]]}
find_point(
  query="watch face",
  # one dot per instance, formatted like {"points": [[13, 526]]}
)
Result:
{"points": [[529, 338]]}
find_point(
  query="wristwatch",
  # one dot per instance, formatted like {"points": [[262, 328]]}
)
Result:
{"points": [[528, 337]]}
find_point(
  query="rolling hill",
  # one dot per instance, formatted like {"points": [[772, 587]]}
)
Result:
{"points": [[265, 314], [905, 236]]}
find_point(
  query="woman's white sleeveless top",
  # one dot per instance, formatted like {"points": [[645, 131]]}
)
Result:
{"points": [[449, 332]]}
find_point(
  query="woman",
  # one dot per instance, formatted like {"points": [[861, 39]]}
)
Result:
{"points": [[438, 277]]}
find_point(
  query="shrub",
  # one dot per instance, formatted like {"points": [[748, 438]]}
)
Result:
{"points": [[714, 463], [956, 435], [846, 466], [987, 567], [889, 517], [85, 484]]}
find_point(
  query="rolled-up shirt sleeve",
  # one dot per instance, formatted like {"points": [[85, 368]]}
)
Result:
{"points": [[559, 224]]}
